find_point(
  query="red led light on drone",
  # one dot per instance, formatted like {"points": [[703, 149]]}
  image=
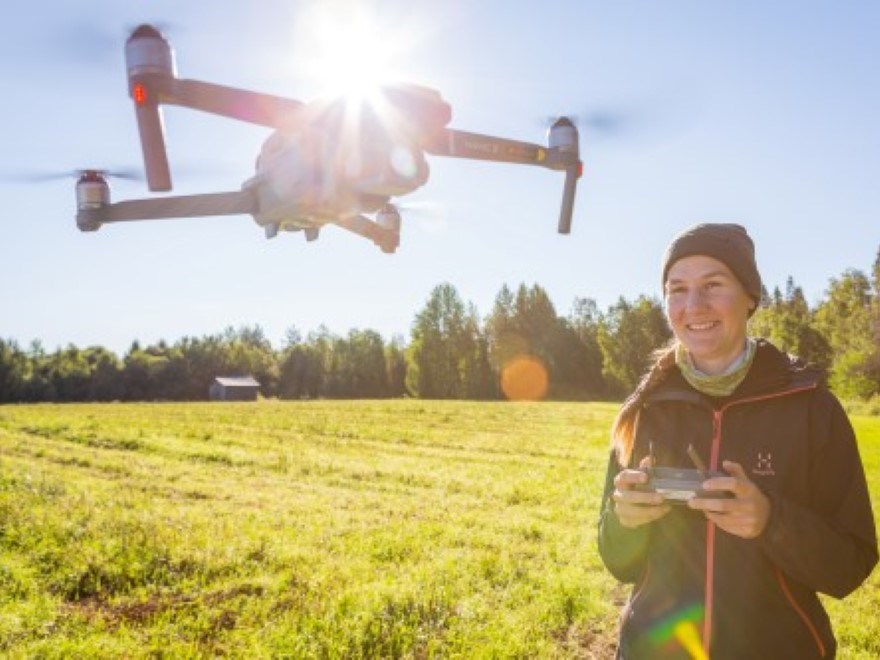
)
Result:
{"points": [[139, 94]]}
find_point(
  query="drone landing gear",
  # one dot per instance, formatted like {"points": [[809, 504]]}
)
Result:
{"points": [[384, 231]]}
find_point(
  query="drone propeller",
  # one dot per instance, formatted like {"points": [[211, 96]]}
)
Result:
{"points": [[605, 123], [430, 215], [639, 123], [43, 177], [89, 44]]}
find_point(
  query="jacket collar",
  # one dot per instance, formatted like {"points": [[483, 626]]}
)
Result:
{"points": [[772, 371]]}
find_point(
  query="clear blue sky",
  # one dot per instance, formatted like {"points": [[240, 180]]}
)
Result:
{"points": [[762, 113]]}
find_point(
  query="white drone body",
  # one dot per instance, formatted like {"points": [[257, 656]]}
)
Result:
{"points": [[333, 161]]}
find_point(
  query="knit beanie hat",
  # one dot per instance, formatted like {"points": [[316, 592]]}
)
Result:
{"points": [[728, 243]]}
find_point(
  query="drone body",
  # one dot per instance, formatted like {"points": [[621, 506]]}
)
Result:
{"points": [[330, 161]]}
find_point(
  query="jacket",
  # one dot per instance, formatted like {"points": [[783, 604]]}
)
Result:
{"points": [[697, 586]]}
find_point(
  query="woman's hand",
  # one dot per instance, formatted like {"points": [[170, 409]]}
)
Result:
{"points": [[635, 508], [746, 514]]}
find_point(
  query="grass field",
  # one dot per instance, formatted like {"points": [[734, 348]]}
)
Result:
{"points": [[319, 529]]}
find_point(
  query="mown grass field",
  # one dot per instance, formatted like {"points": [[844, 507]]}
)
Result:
{"points": [[319, 529]]}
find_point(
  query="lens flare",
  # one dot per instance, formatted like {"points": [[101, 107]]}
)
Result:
{"points": [[689, 637], [682, 628], [403, 162], [524, 378]]}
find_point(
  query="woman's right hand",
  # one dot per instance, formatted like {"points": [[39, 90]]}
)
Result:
{"points": [[635, 508]]}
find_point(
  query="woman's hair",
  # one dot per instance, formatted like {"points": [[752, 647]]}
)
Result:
{"points": [[623, 432]]}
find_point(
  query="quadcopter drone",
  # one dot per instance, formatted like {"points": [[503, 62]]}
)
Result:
{"points": [[329, 161]]}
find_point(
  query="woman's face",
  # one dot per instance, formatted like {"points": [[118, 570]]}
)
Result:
{"points": [[707, 309]]}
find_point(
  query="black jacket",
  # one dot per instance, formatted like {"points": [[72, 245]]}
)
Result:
{"points": [[739, 598]]}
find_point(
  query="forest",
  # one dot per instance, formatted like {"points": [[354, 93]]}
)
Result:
{"points": [[523, 349]]}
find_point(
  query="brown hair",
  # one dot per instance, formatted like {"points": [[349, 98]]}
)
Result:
{"points": [[623, 431]]}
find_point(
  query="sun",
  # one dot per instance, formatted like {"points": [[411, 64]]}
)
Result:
{"points": [[346, 49], [350, 51]]}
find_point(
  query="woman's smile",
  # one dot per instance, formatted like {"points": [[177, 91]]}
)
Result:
{"points": [[707, 309]]}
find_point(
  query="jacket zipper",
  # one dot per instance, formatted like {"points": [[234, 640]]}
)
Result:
{"points": [[709, 590], [717, 415], [800, 612]]}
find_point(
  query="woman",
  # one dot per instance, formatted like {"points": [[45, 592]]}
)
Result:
{"points": [[733, 577]]}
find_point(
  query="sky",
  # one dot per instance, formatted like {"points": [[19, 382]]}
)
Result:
{"points": [[760, 113]]}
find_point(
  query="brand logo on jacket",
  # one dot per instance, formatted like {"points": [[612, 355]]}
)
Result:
{"points": [[764, 465]]}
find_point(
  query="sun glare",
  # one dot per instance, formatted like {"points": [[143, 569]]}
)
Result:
{"points": [[348, 52]]}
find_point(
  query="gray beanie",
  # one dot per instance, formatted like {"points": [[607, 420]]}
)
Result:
{"points": [[728, 243]]}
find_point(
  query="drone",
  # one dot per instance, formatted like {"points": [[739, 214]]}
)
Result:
{"points": [[329, 161]]}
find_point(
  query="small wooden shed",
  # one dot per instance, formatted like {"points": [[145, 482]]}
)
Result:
{"points": [[234, 388]]}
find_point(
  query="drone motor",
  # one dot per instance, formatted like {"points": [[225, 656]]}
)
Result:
{"points": [[92, 192], [148, 53]]}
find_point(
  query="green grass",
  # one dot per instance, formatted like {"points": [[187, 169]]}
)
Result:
{"points": [[318, 529]]}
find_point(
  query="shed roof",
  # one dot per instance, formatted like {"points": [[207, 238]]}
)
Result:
{"points": [[237, 381]]}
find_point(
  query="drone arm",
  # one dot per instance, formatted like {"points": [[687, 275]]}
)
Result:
{"points": [[254, 107], [386, 239], [572, 174], [186, 206], [461, 144], [152, 134]]}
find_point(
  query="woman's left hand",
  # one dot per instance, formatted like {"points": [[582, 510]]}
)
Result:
{"points": [[746, 514]]}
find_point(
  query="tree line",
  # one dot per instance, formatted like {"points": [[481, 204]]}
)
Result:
{"points": [[522, 349]]}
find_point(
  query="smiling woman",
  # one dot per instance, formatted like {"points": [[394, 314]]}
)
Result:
{"points": [[736, 576]]}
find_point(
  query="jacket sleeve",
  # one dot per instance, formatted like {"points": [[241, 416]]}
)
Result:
{"points": [[623, 550], [829, 546]]}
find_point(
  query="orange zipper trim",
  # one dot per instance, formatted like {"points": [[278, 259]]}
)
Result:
{"points": [[717, 414], [800, 612]]}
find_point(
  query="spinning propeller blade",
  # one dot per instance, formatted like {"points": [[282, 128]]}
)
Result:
{"points": [[87, 44], [42, 177]]}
